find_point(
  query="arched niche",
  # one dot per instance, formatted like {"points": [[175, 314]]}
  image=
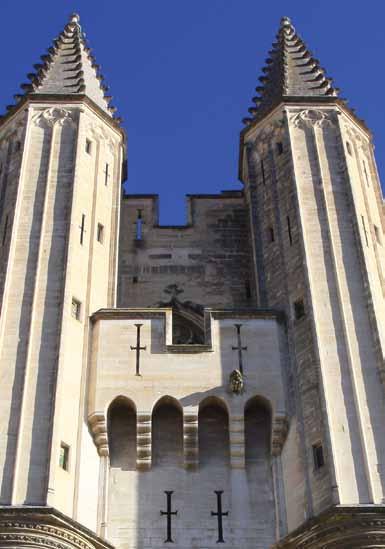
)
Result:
{"points": [[121, 425], [257, 431], [167, 433], [213, 433]]}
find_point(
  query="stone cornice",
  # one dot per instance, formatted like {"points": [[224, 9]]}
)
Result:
{"points": [[60, 99], [340, 527], [46, 527]]}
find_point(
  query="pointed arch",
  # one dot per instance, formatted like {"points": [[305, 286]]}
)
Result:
{"points": [[213, 432], [167, 433], [121, 426]]}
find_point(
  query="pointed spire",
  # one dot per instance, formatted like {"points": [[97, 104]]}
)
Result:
{"points": [[69, 68], [290, 71]]}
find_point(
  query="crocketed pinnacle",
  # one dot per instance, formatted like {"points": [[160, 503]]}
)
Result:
{"points": [[69, 68], [290, 72]]}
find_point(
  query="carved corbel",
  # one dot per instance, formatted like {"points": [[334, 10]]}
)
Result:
{"points": [[280, 429], [98, 425]]}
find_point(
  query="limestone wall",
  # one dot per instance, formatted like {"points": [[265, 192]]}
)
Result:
{"points": [[212, 454], [208, 259]]}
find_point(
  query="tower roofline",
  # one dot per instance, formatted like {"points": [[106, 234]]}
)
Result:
{"points": [[69, 69]]}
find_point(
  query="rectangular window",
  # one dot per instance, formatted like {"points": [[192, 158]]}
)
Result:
{"points": [[263, 173], [64, 456], [76, 307], [134, 279], [271, 235], [299, 309], [82, 228], [139, 226], [279, 148], [289, 230], [247, 289], [377, 234], [106, 173], [88, 146], [349, 148], [100, 233], [366, 173], [364, 229], [318, 456], [5, 230]]}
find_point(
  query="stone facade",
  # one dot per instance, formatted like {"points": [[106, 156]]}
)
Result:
{"points": [[217, 382]]}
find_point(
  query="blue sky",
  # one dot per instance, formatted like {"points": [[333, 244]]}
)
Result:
{"points": [[182, 74]]}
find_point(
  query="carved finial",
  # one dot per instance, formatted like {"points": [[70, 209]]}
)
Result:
{"points": [[74, 18], [285, 22]]}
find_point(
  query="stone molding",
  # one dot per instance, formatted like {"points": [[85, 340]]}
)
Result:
{"points": [[340, 527], [98, 425], [280, 429], [44, 527]]}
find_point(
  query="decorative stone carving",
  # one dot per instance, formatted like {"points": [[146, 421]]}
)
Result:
{"points": [[260, 140], [98, 426], [54, 115], [340, 527], [236, 382], [280, 428], [99, 133], [44, 527], [309, 118]]}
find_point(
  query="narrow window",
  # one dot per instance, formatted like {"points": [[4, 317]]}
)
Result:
{"points": [[364, 229], [299, 309], [64, 456], [5, 230], [106, 173], [76, 308], [271, 235], [289, 230], [377, 234], [17, 146], [88, 146], [82, 228], [134, 279], [318, 456], [100, 233], [139, 226], [279, 147], [247, 289], [263, 173], [365, 172], [349, 148]]}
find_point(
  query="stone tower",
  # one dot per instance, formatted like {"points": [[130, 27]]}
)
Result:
{"points": [[317, 218], [220, 382], [61, 157]]}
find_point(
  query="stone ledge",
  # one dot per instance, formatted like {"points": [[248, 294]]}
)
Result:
{"points": [[32, 526], [340, 527]]}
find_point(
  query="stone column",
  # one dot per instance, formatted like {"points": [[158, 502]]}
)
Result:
{"points": [[237, 441], [98, 426], [190, 438], [143, 441]]}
